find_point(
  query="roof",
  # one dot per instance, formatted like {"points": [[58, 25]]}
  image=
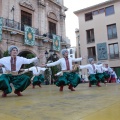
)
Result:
{"points": [[94, 6]]}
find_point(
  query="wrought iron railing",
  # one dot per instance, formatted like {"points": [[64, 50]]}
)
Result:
{"points": [[16, 25], [110, 57], [19, 26], [114, 56], [50, 35]]}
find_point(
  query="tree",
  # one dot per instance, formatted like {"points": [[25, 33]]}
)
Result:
{"points": [[5, 54]]}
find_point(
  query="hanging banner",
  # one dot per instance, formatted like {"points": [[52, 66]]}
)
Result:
{"points": [[29, 35], [1, 24], [102, 51], [56, 42]]}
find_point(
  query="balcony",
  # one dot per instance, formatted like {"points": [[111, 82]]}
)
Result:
{"points": [[7, 23], [16, 25], [110, 57], [50, 35], [114, 56], [90, 40]]}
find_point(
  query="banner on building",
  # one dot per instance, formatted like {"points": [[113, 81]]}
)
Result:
{"points": [[56, 42], [1, 24], [29, 35], [102, 51]]}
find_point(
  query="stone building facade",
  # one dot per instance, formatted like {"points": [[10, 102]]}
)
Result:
{"points": [[46, 17], [99, 33]]}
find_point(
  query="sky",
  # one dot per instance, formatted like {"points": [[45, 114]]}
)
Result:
{"points": [[71, 19]]}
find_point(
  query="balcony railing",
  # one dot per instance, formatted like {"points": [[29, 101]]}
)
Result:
{"points": [[114, 56], [16, 25], [110, 57], [19, 26], [50, 35]]}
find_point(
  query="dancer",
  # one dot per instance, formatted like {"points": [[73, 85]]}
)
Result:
{"points": [[37, 78], [92, 68], [107, 72], [100, 73], [12, 65], [68, 78]]}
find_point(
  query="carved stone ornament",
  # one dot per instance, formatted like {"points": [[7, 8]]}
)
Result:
{"points": [[27, 4], [52, 16]]}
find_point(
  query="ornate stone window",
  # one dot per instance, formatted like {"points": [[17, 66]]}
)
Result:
{"points": [[52, 23], [51, 15], [26, 4], [26, 19]]}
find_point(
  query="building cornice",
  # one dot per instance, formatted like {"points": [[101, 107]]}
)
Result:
{"points": [[95, 6]]}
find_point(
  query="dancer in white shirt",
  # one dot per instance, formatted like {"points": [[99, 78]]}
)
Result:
{"points": [[92, 68], [37, 78], [68, 78], [12, 65]]}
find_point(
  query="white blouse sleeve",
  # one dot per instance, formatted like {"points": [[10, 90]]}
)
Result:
{"points": [[53, 63], [83, 66], [76, 59], [28, 61]]}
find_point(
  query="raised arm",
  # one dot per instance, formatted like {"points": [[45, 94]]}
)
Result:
{"points": [[28, 61], [100, 65], [59, 73], [77, 59], [53, 63], [27, 70], [83, 66]]}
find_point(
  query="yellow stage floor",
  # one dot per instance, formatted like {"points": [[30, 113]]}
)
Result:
{"points": [[47, 103]]}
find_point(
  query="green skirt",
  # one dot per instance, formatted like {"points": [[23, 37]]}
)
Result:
{"points": [[92, 79], [38, 80], [20, 82], [68, 78], [106, 75], [100, 77]]}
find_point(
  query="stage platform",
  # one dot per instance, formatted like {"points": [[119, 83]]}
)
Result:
{"points": [[47, 103]]}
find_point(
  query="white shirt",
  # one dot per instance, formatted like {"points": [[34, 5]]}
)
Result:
{"points": [[85, 77], [19, 62], [109, 70], [3, 70], [60, 73], [100, 68], [62, 62], [36, 70], [90, 68]]}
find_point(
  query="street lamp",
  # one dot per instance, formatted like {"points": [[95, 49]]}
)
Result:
{"points": [[52, 57]]}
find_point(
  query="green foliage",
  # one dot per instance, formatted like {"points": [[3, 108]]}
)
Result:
{"points": [[29, 56], [5, 54]]}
